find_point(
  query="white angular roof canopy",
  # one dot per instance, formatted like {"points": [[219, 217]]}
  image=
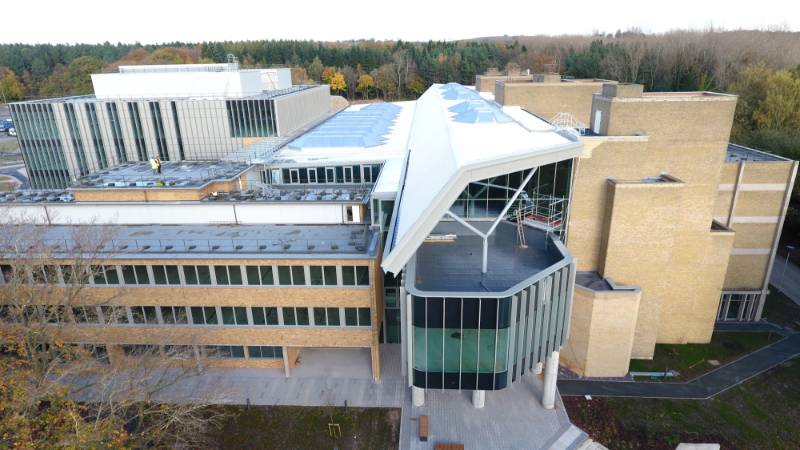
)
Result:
{"points": [[456, 138]]}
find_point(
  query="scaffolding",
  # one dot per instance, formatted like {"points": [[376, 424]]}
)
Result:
{"points": [[545, 212]]}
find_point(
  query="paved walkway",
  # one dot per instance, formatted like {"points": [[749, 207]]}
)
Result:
{"points": [[513, 418], [703, 387], [787, 282]]}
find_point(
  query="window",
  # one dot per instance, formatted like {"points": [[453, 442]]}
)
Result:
{"points": [[222, 351], [323, 275], [105, 275], [357, 317], [355, 275], [178, 351], [236, 315], [166, 275], [72, 275], [139, 349], [158, 126], [144, 315], [263, 351], [54, 313], [114, 314], [295, 316], [362, 275], [135, 275], [259, 275], [264, 315], [195, 275], [116, 132], [85, 314], [291, 275], [326, 317], [204, 315], [228, 275], [7, 272], [174, 315]]}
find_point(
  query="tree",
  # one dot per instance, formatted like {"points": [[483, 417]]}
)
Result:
{"points": [[74, 79], [300, 76], [327, 74], [337, 82], [351, 79], [315, 69], [365, 84], [385, 80], [58, 394], [10, 87]]}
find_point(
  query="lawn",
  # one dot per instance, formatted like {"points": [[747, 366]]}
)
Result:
{"points": [[691, 360], [299, 427], [759, 414], [781, 310]]}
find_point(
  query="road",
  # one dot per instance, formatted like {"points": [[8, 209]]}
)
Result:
{"points": [[786, 277]]}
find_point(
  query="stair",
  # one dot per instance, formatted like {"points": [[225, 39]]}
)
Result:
{"points": [[569, 437]]}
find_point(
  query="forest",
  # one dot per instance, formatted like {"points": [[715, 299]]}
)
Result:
{"points": [[762, 67]]}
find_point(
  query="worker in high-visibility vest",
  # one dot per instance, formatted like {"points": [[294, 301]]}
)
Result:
{"points": [[154, 165]]}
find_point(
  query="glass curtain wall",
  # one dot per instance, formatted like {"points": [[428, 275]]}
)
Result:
{"points": [[41, 145], [461, 343], [251, 118], [486, 198]]}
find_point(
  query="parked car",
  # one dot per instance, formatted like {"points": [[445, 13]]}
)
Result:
{"points": [[6, 125], [12, 131]]}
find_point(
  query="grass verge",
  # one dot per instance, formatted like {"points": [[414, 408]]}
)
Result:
{"points": [[300, 427], [692, 360], [759, 414]]}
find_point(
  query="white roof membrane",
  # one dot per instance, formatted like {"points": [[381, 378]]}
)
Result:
{"points": [[446, 154]]}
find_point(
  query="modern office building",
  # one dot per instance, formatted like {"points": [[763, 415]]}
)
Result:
{"points": [[492, 240], [174, 113]]}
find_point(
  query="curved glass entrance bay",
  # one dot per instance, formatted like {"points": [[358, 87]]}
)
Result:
{"points": [[461, 343], [502, 324]]}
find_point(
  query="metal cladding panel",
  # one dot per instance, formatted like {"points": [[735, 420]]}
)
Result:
{"points": [[312, 213], [173, 213]]}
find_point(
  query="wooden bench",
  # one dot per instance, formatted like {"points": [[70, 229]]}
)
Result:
{"points": [[449, 447], [423, 428]]}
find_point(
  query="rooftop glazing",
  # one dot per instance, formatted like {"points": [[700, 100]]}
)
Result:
{"points": [[365, 127], [203, 241], [182, 174]]}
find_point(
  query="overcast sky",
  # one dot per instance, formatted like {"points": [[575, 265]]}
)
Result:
{"points": [[155, 21]]}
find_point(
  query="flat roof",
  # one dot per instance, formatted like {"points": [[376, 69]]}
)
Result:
{"points": [[211, 241], [389, 180], [739, 153], [177, 174], [592, 280], [264, 95], [456, 266], [296, 194], [363, 140], [458, 137]]}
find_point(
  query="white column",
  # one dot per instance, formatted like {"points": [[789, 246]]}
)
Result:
{"points": [[550, 376], [417, 396], [478, 399]]}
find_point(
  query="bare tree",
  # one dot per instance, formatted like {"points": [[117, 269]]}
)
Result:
{"points": [[60, 389]]}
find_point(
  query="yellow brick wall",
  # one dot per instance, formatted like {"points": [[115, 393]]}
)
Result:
{"points": [[746, 272], [601, 333], [756, 215], [639, 243], [657, 237], [549, 99]]}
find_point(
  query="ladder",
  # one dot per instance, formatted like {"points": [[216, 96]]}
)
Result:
{"points": [[521, 231]]}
